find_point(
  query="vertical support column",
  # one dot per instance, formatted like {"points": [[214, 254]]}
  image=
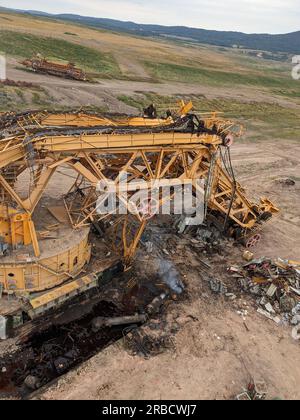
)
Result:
{"points": [[2, 66]]}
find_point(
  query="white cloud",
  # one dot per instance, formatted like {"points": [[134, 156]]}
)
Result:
{"points": [[273, 16]]}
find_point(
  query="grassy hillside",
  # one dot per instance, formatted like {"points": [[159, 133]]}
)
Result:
{"points": [[118, 55], [288, 43], [26, 45], [190, 74]]}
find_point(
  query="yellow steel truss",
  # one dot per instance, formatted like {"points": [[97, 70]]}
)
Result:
{"points": [[151, 149]]}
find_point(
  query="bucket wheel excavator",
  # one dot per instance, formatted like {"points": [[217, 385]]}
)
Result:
{"points": [[38, 275]]}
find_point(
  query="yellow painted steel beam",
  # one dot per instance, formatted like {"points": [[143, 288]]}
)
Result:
{"points": [[34, 239], [34, 198], [59, 292], [12, 193], [88, 120], [82, 170], [116, 141]]}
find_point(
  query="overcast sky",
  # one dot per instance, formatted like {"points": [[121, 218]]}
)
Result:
{"points": [[253, 16]]}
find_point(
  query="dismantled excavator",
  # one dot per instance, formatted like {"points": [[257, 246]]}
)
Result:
{"points": [[68, 71], [37, 274]]}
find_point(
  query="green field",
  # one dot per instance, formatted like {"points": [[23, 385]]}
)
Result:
{"points": [[278, 81]]}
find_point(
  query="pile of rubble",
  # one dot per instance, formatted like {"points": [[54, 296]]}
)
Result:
{"points": [[209, 240], [149, 340], [276, 286]]}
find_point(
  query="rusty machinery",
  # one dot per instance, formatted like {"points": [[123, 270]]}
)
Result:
{"points": [[68, 71], [184, 145]]}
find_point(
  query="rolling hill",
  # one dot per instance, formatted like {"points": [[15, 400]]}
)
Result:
{"points": [[287, 43]]}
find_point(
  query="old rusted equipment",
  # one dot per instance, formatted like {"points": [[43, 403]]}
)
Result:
{"points": [[42, 65]]}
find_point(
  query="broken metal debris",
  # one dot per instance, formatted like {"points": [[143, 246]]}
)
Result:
{"points": [[149, 247], [295, 320], [276, 285], [244, 396], [256, 390], [209, 239], [218, 287], [296, 332], [248, 256], [268, 315], [140, 342]]}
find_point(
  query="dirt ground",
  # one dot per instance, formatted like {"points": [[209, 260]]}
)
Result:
{"points": [[73, 93], [217, 352]]}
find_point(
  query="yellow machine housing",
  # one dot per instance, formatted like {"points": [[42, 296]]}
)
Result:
{"points": [[58, 262]]}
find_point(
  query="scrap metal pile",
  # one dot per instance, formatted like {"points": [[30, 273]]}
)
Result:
{"points": [[276, 285], [68, 71]]}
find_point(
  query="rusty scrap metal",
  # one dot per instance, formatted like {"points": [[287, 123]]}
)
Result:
{"points": [[68, 71]]}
